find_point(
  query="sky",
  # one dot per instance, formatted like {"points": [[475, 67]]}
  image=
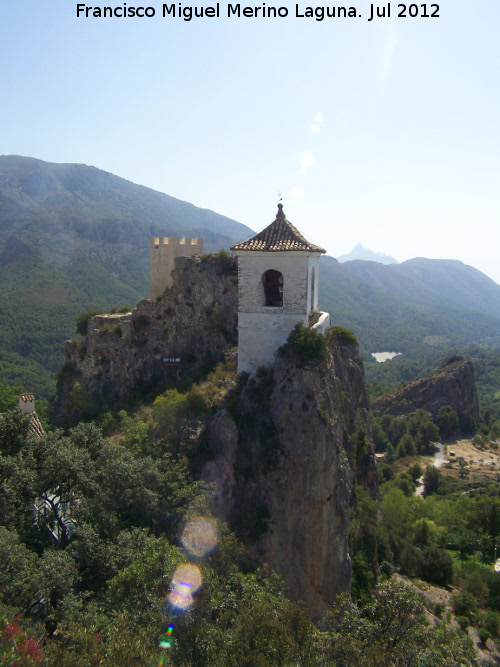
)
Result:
{"points": [[384, 132]]}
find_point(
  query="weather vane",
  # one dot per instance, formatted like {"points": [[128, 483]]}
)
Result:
{"points": [[280, 195]]}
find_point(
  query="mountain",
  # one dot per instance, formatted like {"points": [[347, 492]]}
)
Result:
{"points": [[73, 237], [389, 309], [360, 252]]}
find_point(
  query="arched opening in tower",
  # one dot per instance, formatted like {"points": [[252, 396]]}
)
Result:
{"points": [[272, 281]]}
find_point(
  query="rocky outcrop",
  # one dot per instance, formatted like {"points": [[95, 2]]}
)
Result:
{"points": [[191, 324], [452, 383], [292, 437], [282, 457]]}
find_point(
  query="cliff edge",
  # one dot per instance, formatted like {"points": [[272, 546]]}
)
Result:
{"points": [[192, 324], [288, 456], [452, 383]]}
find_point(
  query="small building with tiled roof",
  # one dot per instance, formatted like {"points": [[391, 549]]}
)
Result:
{"points": [[278, 272], [27, 405]]}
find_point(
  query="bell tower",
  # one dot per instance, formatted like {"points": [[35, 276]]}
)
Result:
{"points": [[277, 288]]}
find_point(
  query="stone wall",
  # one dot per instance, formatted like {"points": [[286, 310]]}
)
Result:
{"points": [[163, 252]]}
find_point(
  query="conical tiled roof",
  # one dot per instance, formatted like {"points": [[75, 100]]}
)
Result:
{"points": [[280, 235]]}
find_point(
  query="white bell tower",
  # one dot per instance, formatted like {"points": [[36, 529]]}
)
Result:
{"points": [[278, 272]]}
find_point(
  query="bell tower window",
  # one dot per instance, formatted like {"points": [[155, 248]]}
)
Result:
{"points": [[273, 288]]}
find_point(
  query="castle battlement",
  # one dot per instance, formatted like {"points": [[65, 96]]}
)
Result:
{"points": [[163, 251]]}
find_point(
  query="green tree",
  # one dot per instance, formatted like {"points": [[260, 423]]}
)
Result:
{"points": [[431, 480], [447, 420], [389, 630], [9, 397], [177, 416]]}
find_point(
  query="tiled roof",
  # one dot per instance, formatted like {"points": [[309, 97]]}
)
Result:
{"points": [[280, 235], [36, 429]]}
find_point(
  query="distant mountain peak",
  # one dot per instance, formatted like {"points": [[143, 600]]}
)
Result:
{"points": [[360, 252]]}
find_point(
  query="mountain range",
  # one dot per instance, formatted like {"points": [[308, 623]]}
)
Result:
{"points": [[360, 252], [74, 237]]}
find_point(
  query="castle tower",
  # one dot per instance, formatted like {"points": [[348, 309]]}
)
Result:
{"points": [[163, 252], [277, 288]]}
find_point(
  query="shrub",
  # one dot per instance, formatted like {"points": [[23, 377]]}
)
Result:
{"points": [[415, 470], [338, 335], [464, 604], [82, 321], [492, 623], [484, 635], [386, 569], [307, 343], [436, 566]]}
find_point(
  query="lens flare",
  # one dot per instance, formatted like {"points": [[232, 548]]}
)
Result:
{"points": [[181, 599], [199, 537], [165, 642], [187, 577]]}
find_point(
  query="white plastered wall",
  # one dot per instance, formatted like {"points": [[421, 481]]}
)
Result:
{"points": [[263, 329]]}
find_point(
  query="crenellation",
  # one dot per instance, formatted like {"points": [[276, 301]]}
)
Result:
{"points": [[163, 251]]}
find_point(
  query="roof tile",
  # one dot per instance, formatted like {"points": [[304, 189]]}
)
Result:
{"points": [[279, 236]]}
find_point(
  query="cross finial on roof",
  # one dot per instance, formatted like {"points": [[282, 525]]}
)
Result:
{"points": [[280, 196]]}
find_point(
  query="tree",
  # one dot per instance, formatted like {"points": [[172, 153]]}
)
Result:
{"points": [[9, 397], [431, 480], [176, 415], [462, 467], [436, 566], [388, 629], [406, 446], [447, 420]]}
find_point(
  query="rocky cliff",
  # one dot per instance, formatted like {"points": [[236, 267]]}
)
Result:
{"points": [[452, 383], [190, 325], [285, 464], [284, 454]]}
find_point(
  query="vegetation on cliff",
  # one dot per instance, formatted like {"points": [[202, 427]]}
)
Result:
{"points": [[99, 595]]}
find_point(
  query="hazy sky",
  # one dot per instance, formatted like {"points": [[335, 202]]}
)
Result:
{"points": [[385, 132]]}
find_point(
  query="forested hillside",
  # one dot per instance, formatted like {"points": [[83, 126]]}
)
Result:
{"points": [[74, 237], [389, 310]]}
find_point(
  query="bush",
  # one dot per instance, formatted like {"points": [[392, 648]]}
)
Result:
{"points": [[416, 471], [340, 336], [464, 604], [307, 343], [484, 635], [436, 566], [82, 321], [492, 623], [386, 569]]}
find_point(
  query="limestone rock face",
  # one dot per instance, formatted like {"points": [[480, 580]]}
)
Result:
{"points": [[295, 470], [192, 323], [452, 383]]}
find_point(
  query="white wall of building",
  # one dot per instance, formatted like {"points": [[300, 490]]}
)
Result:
{"points": [[263, 329]]}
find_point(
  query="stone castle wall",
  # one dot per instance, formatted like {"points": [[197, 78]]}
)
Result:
{"points": [[163, 252]]}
